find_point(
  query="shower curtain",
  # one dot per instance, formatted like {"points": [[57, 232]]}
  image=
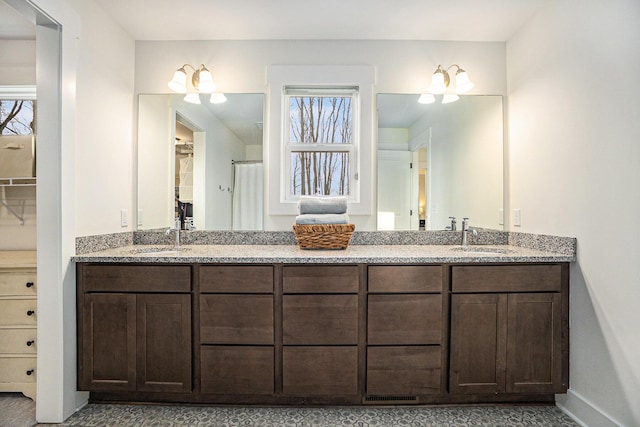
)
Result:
{"points": [[247, 196]]}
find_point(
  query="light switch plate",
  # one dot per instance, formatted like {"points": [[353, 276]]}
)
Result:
{"points": [[124, 218], [517, 217]]}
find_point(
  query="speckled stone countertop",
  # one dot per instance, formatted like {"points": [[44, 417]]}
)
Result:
{"points": [[354, 254]]}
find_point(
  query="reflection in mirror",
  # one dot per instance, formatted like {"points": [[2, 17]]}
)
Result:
{"points": [[437, 161], [200, 163]]}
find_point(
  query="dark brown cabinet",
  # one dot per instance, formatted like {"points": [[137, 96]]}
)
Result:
{"points": [[320, 330], [134, 341], [237, 353], [323, 334], [510, 334], [404, 330]]}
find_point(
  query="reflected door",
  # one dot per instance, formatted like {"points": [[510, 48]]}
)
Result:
{"points": [[394, 190]]}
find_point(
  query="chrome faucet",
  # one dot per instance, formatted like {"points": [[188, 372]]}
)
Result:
{"points": [[466, 229], [177, 230], [453, 223]]}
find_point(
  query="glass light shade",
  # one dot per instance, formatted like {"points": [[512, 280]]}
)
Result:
{"points": [[437, 83], [179, 81], [426, 98], [217, 98], [449, 98], [463, 84], [193, 98], [206, 84]]}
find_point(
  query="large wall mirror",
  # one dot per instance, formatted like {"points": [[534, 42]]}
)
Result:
{"points": [[437, 161], [200, 163]]}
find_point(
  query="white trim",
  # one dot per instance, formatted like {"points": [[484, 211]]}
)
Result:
{"points": [[18, 92], [584, 412], [281, 76]]}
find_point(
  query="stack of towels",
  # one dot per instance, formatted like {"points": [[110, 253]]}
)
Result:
{"points": [[322, 210]]}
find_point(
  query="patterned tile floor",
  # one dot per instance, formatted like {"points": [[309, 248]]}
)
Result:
{"points": [[101, 415]]}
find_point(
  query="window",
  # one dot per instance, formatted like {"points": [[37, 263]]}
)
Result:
{"points": [[320, 142], [16, 117]]}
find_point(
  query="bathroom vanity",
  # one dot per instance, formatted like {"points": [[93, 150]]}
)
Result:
{"points": [[279, 325]]}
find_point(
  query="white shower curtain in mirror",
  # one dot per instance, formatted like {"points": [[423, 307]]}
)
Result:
{"points": [[247, 196]]}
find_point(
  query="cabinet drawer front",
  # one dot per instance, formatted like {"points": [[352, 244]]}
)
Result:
{"points": [[317, 371], [17, 369], [237, 370], [404, 319], [18, 341], [136, 278], [18, 312], [18, 282], [405, 278], [320, 319], [236, 279], [236, 319], [507, 278], [320, 279], [410, 370]]}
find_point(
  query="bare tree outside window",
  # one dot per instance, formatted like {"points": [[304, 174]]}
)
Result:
{"points": [[17, 117], [319, 125]]}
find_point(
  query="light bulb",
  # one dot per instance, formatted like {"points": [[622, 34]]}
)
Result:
{"points": [[463, 84], [206, 84], [426, 98], [217, 98], [179, 81], [193, 98], [449, 98], [439, 81]]}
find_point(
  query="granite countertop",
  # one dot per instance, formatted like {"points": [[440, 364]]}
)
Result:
{"points": [[291, 254]]}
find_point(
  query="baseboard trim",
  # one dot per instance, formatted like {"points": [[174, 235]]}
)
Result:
{"points": [[584, 412]]}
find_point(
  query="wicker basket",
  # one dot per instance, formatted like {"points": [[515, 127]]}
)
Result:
{"points": [[323, 236]]}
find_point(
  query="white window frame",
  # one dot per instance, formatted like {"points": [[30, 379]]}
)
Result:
{"points": [[289, 147], [278, 211]]}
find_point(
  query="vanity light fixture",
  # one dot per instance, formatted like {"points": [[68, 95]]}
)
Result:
{"points": [[201, 82], [440, 82]]}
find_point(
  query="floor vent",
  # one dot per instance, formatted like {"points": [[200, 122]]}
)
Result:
{"points": [[390, 399]]}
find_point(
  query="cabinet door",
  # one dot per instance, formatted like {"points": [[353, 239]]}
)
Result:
{"points": [[534, 349], [478, 343], [164, 342], [109, 343]]}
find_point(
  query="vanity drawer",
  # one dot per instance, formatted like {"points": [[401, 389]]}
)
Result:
{"points": [[136, 278], [314, 371], [404, 370], [236, 279], [18, 341], [320, 279], [320, 319], [236, 319], [404, 319], [18, 312], [506, 278], [405, 278], [17, 369], [237, 369], [18, 282]]}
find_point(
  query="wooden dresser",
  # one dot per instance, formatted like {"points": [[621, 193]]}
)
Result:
{"points": [[18, 322]]}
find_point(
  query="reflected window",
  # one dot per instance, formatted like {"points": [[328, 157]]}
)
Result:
{"points": [[320, 145]]}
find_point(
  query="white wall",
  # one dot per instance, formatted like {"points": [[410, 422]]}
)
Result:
{"points": [[574, 107], [18, 62], [241, 66], [104, 134]]}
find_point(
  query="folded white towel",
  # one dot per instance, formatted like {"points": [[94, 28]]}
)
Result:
{"points": [[322, 205], [308, 219]]}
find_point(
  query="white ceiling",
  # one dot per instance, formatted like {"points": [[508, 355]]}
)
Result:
{"points": [[455, 20]]}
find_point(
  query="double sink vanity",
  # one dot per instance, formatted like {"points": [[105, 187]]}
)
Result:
{"points": [[373, 324]]}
